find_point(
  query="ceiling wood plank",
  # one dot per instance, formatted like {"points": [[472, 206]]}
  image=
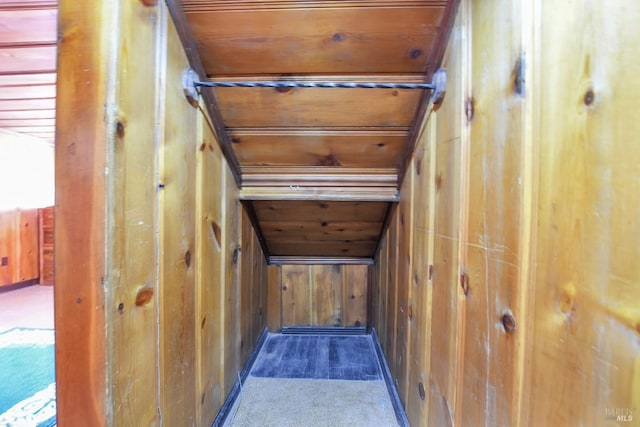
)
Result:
{"points": [[350, 147], [27, 26], [269, 107], [313, 40], [28, 59], [325, 211]]}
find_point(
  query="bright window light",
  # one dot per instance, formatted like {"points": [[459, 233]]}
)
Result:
{"points": [[26, 172]]}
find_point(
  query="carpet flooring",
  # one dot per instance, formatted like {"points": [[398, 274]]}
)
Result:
{"points": [[27, 378], [314, 381]]}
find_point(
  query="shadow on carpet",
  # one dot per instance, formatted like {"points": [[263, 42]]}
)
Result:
{"points": [[27, 378]]}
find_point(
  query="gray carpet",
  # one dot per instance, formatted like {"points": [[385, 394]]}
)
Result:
{"points": [[314, 381], [285, 402]]}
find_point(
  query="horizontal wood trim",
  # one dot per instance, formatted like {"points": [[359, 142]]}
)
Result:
{"points": [[31, 59], [27, 26], [318, 177], [368, 194], [300, 260], [27, 114]]}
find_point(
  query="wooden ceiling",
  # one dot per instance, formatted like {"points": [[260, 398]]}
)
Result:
{"points": [[318, 168], [28, 67]]}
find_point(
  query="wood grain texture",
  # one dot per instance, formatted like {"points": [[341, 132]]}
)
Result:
{"points": [[210, 305], [274, 298], [179, 262], [404, 279], [307, 40], [585, 354], [133, 247], [81, 216], [231, 255], [316, 107], [324, 295], [46, 242], [347, 148], [489, 391], [340, 229], [354, 290], [418, 355], [19, 245]]}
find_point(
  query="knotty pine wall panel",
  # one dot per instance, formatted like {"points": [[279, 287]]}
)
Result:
{"points": [[321, 295]]}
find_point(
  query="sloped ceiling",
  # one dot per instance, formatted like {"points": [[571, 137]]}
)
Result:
{"points": [[319, 168]]}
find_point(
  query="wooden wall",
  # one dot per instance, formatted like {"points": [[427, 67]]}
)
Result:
{"points": [[506, 286], [151, 274], [317, 295], [19, 245]]}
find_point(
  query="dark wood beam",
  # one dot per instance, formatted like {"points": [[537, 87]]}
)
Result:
{"points": [[208, 95]]}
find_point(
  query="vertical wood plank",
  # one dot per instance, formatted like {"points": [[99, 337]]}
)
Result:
{"points": [[133, 247], [80, 222], [231, 270], [354, 290], [28, 245], [296, 302], [404, 308], [209, 279], [327, 295], [421, 285], [380, 301], [585, 352], [447, 273], [392, 288], [488, 391], [274, 298], [178, 255], [247, 284]]}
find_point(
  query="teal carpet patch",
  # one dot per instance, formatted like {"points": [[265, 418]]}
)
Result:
{"points": [[27, 378]]}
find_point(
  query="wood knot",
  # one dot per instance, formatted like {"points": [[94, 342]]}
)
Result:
{"points": [[589, 97], [464, 283], [421, 392], [187, 258], [144, 295], [509, 322]]}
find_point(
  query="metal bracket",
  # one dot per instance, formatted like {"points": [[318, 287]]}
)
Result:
{"points": [[189, 79], [439, 80]]}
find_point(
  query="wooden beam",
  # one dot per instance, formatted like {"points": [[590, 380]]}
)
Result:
{"points": [[435, 60], [307, 260], [356, 194], [191, 49]]}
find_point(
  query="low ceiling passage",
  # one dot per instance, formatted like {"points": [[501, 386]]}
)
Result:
{"points": [[319, 166], [327, 161]]}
